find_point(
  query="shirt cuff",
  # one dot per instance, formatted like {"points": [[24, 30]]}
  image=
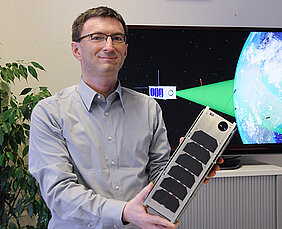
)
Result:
{"points": [[112, 212]]}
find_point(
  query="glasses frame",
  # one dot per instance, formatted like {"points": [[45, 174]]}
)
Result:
{"points": [[107, 35]]}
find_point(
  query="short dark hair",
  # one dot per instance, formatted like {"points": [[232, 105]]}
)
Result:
{"points": [[101, 11]]}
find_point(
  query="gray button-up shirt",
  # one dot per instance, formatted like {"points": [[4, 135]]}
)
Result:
{"points": [[91, 155]]}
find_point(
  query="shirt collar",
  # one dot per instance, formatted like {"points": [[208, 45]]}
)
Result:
{"points": [[88, 94]]}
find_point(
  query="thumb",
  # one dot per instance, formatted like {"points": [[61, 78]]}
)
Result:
{"points": [[144, 192]]}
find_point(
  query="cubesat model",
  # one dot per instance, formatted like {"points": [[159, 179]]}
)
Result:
{"points": [[190, 164]]}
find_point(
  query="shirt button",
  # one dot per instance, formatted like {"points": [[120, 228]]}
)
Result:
{"points": [[113, 162], [110, 138], [106, 114], [99, 96], [117, 187]]}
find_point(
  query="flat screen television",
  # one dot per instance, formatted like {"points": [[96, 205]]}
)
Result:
{"points": [[235, 71]]}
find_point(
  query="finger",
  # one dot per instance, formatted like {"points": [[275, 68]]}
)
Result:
{"points": [[206, 181], [212, 173], [157, 220], [216, 167], [220, 160], [177, 223], [181, 139], [144, 192]]}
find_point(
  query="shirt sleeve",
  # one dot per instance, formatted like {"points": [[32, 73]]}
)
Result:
{"points": [[50, 163], [159, 148]]}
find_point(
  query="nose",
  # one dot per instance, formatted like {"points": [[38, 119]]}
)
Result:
{"points": [[109, 46]]}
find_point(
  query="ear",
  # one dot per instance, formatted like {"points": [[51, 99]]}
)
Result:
{"points": [[76, 50]]}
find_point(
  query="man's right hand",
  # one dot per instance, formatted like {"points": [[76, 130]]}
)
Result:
{"points": [[135, 212]]}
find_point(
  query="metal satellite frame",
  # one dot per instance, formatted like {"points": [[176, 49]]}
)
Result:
{"points": [[189, 165]]}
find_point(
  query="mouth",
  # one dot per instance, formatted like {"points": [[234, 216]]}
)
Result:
{"points": [[108, 57]]}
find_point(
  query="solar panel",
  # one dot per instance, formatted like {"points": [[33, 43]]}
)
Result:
{"points": [[166, 199], [190, 164], [182, 176], [174, 187], [197, 151], [205, 140]]}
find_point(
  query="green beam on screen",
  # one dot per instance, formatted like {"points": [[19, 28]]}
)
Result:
{"points": [[218, 96]]}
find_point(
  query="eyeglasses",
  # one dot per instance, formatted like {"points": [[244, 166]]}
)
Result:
{"points": [[99, 38]]}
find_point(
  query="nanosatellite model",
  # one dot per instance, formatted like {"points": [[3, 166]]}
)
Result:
{"points": [[189, 165]]}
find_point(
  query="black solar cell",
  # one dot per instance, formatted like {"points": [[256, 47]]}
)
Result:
{"points": [[164, 198], [182, 175], [197, 151], [174, 187], [189, 163], [205, 140]]}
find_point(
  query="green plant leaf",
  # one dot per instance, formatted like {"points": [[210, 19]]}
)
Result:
{"points": [[12, 116], [4, 75], [19, 135], [15, 184], [14, 64], [19, 207], [30, 210], [35, 64], [10, 155], [10, 74], [19, 172], [16, 71], [4, 86], [1, 159], [13, 104], [27, 99], [26, 132], [10, 171], [5, 219], [6, 115], [6, 127], [13, 143], [1, 137], [23, 71], [25, 91], [25, 151], [26, 126], [25, 111], [12, 226], [46, 93], [35, 100], [32, 71]]}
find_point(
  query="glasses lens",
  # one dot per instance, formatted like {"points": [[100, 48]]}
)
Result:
{"points": [[118, 38], [97, 37]]}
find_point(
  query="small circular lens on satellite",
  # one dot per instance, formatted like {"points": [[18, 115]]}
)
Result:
{"points": [[222, 126]]}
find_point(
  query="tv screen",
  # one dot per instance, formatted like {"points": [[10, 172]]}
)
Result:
{"points": [[237, 72]]}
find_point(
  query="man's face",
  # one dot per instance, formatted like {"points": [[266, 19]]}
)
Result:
{"points": [[104, 57]]}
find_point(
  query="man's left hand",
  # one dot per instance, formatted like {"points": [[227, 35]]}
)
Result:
{"points": [[215, 168]]}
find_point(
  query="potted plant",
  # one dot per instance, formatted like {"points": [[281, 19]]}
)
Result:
{"points": [[19, 192]]}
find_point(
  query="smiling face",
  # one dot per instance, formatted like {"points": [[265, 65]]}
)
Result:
{"points": [[100, 59]]}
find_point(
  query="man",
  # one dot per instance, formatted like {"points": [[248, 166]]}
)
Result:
{"points": [[95, 146]]}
